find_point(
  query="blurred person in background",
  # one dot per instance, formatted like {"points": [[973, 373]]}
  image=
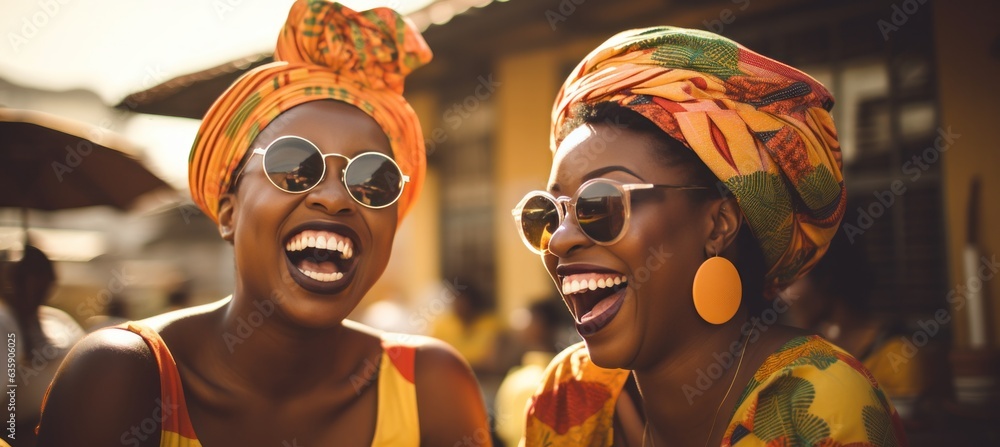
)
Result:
{"points": [[116, 312], [307, 165], [833, 300], [179, 297], [473, 328], [540, 340], [41, 335]]}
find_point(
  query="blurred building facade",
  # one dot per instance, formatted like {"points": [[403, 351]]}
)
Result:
{"points": [[911, 80]]}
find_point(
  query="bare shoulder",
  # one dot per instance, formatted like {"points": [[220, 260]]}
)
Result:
{"points": [[107, 385], [163, 322], [449, 400]]}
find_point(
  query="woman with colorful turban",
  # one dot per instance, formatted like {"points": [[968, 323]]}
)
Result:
{"points": [[692, 179], [307, 165]]}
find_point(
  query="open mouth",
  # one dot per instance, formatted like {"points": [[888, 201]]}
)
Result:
{"points": [[595, 297], [322, 259]]}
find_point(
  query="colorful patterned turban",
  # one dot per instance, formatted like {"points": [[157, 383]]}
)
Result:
{"points": [[324, 51], [762, 127]]}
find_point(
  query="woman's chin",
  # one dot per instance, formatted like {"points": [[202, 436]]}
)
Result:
{"points": [[612, 353], [315, 315]]}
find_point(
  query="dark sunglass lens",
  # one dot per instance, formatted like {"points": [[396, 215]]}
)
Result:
{"points": [[601, 211], [294, 164], [374, 180], [539, 219]]}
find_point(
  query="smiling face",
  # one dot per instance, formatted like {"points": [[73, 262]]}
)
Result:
{"points": [[630, 323], [315, 254]]}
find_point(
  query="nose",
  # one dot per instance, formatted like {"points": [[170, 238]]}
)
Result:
{"points": [[330, 195], [568, 237]]}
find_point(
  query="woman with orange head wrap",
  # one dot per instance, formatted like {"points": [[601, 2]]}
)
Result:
{"points": [[692, 179], [307, 165]]}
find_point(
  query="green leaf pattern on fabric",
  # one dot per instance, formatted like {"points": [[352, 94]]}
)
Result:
{"points": [[715, 57], [878, 425], [783, 412], [768, 218]]}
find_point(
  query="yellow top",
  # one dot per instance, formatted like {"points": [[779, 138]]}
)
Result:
{"points": [[477, 343], [808, 392], [514, 393], [397, 422], [897, 367]]}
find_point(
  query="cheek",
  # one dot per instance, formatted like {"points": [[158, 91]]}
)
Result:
{"points": [[382, 224], [658, 239], [550, 262]]}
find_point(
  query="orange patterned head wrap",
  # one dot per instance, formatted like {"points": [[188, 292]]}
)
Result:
{"points": [[324, 51], [762, 127]]}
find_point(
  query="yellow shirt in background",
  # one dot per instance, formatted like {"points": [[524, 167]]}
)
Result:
{"points": [[477, 344]]}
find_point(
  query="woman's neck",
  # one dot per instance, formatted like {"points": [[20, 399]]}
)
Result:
{"points": [[261, 350], [682, 395]]}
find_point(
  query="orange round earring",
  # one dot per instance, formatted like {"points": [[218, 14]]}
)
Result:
{"points": [[717, 290]]}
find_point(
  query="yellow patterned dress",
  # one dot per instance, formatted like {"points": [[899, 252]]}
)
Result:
{"points": [[807, 393]]}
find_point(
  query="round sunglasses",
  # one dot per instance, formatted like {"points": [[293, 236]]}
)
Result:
{"points": [[602, 208], [295, 165]]}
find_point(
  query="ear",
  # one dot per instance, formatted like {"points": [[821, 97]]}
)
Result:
{"points": [[726, 220], [227, 225]]}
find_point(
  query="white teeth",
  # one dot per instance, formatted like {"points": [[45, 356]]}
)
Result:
{"points": [[324, 277], [570, 287], [323, 241]]}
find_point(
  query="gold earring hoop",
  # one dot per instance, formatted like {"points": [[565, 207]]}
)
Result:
{"points": [[717, 290]]}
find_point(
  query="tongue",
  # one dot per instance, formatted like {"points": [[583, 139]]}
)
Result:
{"points": [[600, 307], [318, 267]]}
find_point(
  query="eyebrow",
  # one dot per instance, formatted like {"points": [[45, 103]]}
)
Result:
{"points": [[599, 172]]}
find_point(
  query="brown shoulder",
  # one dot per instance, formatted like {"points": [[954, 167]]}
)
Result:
{"points": [[449, 400], [103, 394]]}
